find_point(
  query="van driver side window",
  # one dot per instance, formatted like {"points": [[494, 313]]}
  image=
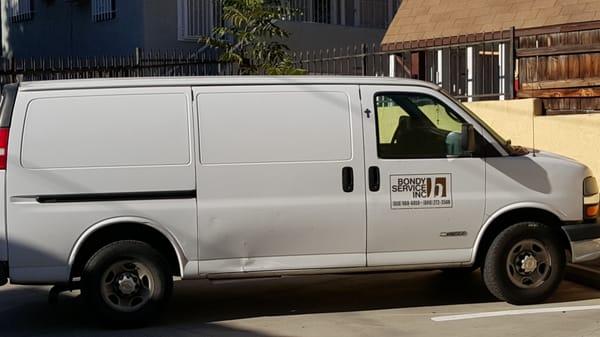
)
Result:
{"points": [[413, 125]]}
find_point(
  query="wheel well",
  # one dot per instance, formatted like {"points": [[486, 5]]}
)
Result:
{"points": [[125, 231], [510, 218]]}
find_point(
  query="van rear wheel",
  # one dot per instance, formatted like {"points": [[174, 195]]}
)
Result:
{"points": [[524, 264], [127, 283]]}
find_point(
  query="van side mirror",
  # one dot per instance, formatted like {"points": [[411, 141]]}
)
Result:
{"points": [[468, 138]]}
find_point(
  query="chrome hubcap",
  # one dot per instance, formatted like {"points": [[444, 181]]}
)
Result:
{"points": [[528, 264], [127, 285]]}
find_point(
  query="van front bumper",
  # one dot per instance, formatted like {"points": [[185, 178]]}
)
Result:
{"points": [[584, 240]]}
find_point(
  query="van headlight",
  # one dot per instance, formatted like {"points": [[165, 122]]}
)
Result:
{"points": [[591, 198]]}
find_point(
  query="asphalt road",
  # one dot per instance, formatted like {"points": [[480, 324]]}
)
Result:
{"points": [[387, 304]]}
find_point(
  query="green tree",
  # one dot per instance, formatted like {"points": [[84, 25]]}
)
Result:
{"points": [[252, 39]]}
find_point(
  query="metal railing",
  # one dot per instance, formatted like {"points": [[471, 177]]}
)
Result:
{"points": [[360, 60], [139, 64], [103, 10], [486, 74], [19, 10], [357, 60]]}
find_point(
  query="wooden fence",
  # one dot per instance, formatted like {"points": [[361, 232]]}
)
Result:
{"points": [[562, 69]]}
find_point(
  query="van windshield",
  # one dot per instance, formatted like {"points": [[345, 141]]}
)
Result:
{"points": [[506, 145]]}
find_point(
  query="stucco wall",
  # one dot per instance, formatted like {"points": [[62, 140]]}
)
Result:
{"points": [[63, 28], [574, 136], [305, 36], [160, 27]]}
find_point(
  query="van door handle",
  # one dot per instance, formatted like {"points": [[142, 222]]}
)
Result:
{"points": [[348, 179], [374, 180]]}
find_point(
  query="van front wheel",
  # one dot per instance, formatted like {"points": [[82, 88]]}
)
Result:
{"points": [[524, 264], [127, 283]]}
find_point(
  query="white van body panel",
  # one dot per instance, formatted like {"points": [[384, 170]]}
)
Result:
{"points": [[278, 264], [421, 258], [270, 193], [98, 116], [503, 211], [184, 263], [551, 182], [97, 142]]}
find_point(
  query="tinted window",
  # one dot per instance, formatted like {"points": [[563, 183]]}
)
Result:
{"points": [[412, 125], [7, 103]]}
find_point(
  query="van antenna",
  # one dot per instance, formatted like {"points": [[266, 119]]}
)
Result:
{"points": [[537, 65], [533, 130]]}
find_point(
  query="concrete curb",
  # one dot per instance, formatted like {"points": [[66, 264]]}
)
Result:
{"points": [[585, 274]]}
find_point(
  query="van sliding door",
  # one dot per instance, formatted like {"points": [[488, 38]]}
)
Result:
{"points": [[280, 178]]}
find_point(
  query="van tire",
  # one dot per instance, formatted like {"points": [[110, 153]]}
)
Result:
{"points": [[524, 264], [127, 283]]}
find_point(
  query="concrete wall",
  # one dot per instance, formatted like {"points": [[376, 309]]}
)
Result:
{"points": [[574, 136]]}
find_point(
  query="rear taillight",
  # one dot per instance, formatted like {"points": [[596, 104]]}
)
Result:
{"points": [[591, 211], [3, 147]]}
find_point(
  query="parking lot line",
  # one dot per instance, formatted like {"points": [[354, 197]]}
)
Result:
{"points": [[513, 313]]}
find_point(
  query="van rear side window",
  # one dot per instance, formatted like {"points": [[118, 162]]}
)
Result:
{"points": [[262, 127], [106, 131], [7, 103]]}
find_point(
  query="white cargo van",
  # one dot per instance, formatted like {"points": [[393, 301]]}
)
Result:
{"points": [[117, 186]]}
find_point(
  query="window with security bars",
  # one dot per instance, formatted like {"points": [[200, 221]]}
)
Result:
{"points": [[197, 18], [20, 10], [354, 13], [103, 10]]}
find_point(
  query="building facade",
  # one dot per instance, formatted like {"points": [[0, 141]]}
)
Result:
{"points": [[500, 49], [45, 28]]}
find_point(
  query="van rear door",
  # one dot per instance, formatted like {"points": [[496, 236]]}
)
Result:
{"points": [[280, 178]]}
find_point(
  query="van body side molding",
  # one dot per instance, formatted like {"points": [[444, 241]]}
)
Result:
{"points": [[129, 196]]}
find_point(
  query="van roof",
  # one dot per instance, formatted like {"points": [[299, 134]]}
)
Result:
{"points": [[214, 80]]}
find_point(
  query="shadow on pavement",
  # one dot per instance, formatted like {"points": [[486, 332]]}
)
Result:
{"points": [[202, 308], [341, 293]]}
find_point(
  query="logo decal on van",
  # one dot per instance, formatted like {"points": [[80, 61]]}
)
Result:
{"points": [[421, 191]]}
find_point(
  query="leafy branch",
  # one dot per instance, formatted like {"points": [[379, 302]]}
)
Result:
{"points": [[251, 38]]}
